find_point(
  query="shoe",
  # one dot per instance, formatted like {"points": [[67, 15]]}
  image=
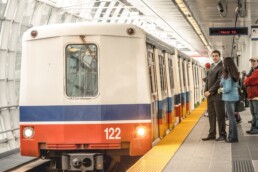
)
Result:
{"points": [[250, 121], [208, 138], [251, 132], [221, 138], [232, 141], [238, 122]]}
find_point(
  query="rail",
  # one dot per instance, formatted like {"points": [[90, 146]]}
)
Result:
{"points": [[10, 130], [5, 139], [8, 107]]}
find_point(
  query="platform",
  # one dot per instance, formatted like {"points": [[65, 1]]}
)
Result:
{"points": [[195, 155]]}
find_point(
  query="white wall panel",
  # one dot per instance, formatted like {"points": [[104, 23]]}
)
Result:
{"points": [[36, 18], [20, 10], [5, 33], [13, 35], [28, 11], [11, 9], [45, 14], [7, 118], [10, 65], [54, 16], [2, 64], [3, 5], [3, 91]]}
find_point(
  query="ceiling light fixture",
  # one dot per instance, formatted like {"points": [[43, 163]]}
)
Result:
{"points": [[184, 9]]}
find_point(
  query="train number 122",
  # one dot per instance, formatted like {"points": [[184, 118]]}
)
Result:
{"points": [[112, 133]]}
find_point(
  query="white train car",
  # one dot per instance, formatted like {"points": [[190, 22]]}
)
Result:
{"points": [[90, 91]]}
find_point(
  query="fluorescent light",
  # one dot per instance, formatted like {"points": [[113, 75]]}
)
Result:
{"points": [[192, 21]]}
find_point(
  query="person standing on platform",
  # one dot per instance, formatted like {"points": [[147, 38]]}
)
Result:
{"points": [[243, 89], [216, 107], [229, 90], [207, 68], [251, 82]]}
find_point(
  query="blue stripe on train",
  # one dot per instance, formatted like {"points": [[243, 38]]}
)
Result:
{"points": [[177, 99], [85, 112], [187, 96], [170, 101], [182, 99]]}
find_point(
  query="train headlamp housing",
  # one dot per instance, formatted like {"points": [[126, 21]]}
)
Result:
{"points": [[141, 131], [34, 33], [28, 132]]}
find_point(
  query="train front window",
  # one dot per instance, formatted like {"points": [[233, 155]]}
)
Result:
{"points": [[81, 70]]}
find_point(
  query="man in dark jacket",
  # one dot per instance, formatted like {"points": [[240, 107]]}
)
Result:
{"points": [[216, 107], [251, 82]]}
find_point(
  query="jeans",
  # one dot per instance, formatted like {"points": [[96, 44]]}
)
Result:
{"points": [[230, 109], [254, 112]]}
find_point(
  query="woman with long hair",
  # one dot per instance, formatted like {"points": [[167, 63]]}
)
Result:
{"points": [[230, 95]]}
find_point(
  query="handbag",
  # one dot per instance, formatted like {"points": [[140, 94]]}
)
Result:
{"points": [[239, 106]]}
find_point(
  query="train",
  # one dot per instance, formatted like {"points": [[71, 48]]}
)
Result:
{"points": [[91, 92]]}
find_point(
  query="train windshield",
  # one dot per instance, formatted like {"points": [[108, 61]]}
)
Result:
{"points": [[81, 70]]}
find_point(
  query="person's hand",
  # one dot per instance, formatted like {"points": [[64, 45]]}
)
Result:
{"points": [[220, 90], [206, 93]]}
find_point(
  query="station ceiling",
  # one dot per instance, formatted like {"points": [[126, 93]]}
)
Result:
{"points": [[182, 23]]}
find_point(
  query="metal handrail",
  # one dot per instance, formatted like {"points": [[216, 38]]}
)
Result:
{"points": [[7, 107], [11, 130]]}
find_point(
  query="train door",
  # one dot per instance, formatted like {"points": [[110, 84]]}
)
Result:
{"points": [[171, 86], [154, 91], [195, 87], [176, 74], [162, 90], [203, 83], [200, 83]]}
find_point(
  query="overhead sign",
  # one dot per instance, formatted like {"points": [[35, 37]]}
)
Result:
{"points": [[225, 31]]}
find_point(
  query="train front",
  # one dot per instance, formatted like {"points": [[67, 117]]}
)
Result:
{"points": [[84, 96]]}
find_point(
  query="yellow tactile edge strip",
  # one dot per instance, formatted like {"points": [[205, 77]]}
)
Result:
{"points": [[156, 159]]}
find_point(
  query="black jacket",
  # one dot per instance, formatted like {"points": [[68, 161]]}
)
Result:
{"points": [[213, 82]]}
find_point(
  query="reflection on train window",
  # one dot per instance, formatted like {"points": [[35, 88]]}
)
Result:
{"points": [[170, 64], [162, 69], [152, 74], [179, 69], [187, 74], [183, 69], [81, 70]]}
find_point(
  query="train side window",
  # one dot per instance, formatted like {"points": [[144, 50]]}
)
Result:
{"points": [[179, 69], [171, 75], [151, 63], [183, 71], [3, 136], [187, 74], [81, 70], [162, 69]]}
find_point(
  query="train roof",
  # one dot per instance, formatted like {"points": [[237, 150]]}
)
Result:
{"points": [[104, 29], [70, 29]]}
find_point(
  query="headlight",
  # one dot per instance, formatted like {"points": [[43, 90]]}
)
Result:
{"points": [[28, 132], [140, 131]]}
